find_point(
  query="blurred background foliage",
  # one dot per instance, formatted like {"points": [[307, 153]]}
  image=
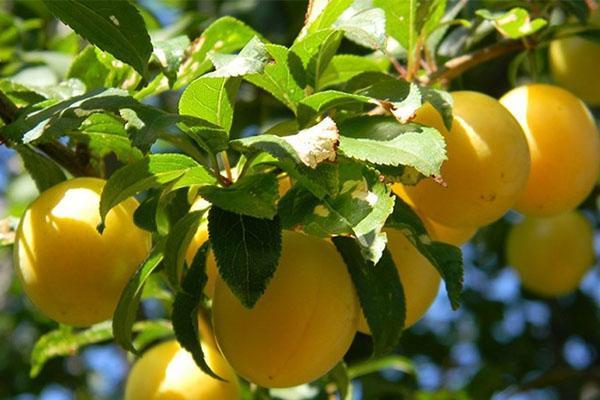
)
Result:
{"points": [[503, 343]]}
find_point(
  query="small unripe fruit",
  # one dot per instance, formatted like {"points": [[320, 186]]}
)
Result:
{"points": [[71, 272], [420, 280], [564, 145], [551, 254], [302, 325], [487, 165]]}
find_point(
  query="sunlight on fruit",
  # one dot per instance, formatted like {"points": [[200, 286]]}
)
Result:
{"points": [[487, 166], [168, 372], [564, 145], [437, 231], [551, 254], [302, 325], [72, 273], [420, 280]]}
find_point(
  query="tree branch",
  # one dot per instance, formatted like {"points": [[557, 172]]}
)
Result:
{"points": [[457, 66], [63, 155]]}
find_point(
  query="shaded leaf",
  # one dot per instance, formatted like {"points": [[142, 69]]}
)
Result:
{"points": [[247, 252], [114, 26], [44, 171], [447, 259], [252, 195], [185, 310], [126, 311], [151, 172], [380, 293]]}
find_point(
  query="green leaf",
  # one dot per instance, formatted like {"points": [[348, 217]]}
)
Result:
{"points": [[225, 35], [177, 243], [380, 293], [151, 172], [105, 134], [447, 259], [212, 99], [277, 79], [126, 311], [313, 106], [20, 94], [411, 21], [98, 69], [364, 24], [344, 67], [382, 140], [310, 56], [360, 208], [114, 26], [247, 252], [401, 98], [185, 310], [395, 362], [330, 11], [303, 155], [339, 375], [252, 195], [170, 54], [45, 172], [65, 341], [515, 23], [251, 60], [55, 120]]}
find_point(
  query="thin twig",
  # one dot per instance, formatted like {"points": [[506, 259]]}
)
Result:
{"points": [[457, 66], [226, 165]]}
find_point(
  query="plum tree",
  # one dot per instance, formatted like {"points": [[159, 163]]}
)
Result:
{"points": [[168, 372], [551, 254], [564, 145], [574, 65], [419, 278], [487, 165], [302, 325], [69, 270]]}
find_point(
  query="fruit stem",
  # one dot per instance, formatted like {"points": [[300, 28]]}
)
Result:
{"points": [[226, 165]]}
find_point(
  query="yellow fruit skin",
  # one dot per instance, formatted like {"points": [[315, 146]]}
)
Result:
{"points": [[302, 325], [574, 65], [168, 372], [487, 166], [564, 145], [419, 278], [551, 254], [437, 231], [72, 273]]}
